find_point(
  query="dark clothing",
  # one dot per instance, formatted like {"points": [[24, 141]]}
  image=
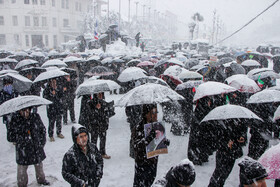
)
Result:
{"points": [[257, 145], [84, 113], [5, 96], [68, 99], [30, 138], [145, 169], [102, 138], [54, 110], [78, 168]]}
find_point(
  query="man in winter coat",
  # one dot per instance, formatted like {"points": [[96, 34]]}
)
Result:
{"points": [[28, 132], [252, 173], [182, 174], [82, 165], [54, 111], [145, 169], [6, 94], [69, 89], [98, 111], [231, 140]]}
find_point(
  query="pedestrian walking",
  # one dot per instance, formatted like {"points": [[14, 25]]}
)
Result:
{"points": [[29, 135], [82, 164], [54, 93]]}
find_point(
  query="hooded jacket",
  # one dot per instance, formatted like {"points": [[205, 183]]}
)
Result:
{"points": [[79, 168]]}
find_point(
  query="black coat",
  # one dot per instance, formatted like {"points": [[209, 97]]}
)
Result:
{"points": [[78, 168], [70, 86], [55, 108], [30, 138], [5, 96]]}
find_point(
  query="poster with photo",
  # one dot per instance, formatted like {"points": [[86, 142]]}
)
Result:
{"points": [[156, 146]]}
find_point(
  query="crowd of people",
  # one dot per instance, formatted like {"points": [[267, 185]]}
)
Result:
{"points": [[83, 162]]}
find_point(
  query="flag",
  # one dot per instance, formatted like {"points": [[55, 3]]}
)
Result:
{"points": [[227, 100], [260, 82], [95, 31]]}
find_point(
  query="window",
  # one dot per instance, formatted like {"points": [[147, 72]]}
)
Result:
{"points": [[44, 22], [26, 1], [47, 40], [35, 2], [67, 4], [36, 21], [1, 1], [27, 40], [27, 21], [54, 22], [16, 38], [54, 41], [2, 39], [1, 20], [53, 3], [65, 23], [14, 1], [62, 3], [15, 21], [43, 2]]}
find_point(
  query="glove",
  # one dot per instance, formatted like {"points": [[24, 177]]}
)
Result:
{"points": [[166, 142]]}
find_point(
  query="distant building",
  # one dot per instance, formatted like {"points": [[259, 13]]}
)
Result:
{"points": [[28, 23]]}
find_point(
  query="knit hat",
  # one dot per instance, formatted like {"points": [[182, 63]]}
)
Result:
{"points": [[76, 130], [183, 173], [251, 171]]}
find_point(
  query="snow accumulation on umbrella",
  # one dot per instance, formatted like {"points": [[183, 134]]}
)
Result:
{"points": [[50, 74], [265, 96], [148, 94], [212, 88], [22, 102], [92, 86], [54, 62], [250, 63], [173, 70], [230, 112], [132, 73], [26, 62], [243, 83], [270, 159], [72, 59]]}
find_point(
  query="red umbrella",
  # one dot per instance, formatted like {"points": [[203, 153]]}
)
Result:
{"points": [[145, 63]]}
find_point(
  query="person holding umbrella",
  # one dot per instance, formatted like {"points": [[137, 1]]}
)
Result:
{"points": [[6, 94], [145, 169], [29, 134], [54, 93], [69, 88]]}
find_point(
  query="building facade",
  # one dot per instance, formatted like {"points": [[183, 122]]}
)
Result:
{"points": [[48, 23]]}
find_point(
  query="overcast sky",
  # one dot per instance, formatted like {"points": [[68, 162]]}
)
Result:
{"points": [[233, 13]]}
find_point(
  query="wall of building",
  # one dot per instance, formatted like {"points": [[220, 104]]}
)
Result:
{"points": [[50, 21]]}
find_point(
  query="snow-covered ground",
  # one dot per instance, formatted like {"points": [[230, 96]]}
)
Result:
{"points": [[119, 170]]}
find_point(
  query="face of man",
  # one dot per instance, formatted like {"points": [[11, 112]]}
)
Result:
{"points": [[53, 83], [152, 115], [100, 96], [25, 112], [82, 139]]}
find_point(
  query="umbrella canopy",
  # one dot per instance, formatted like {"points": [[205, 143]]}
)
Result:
{"points": [[37, 54], [54, 62], [173, 70], [230, 112], [265, 96], [145, 63], [45, 76], [22, 102], [223, 60], [250, 63], [156, 80], [212, 88], [72, 72], [72, 59], [175, 61], [237, 69], [96, 86], [133, 62], [270, 159], [189, 75], [99, 71], [20, 83], [132, 73], [25, 63], [107, 60], [35, 71], [262, 73], [148, 94], [5, 71], [243, 83], [8, 60], [189, 84]]}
